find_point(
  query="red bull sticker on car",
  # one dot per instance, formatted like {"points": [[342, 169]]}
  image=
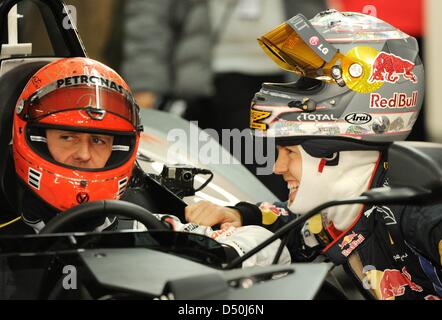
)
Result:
{"points": [[388, 67]]}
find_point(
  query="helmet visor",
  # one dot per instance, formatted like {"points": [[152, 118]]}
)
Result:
{"points": [[296, 46], [96, 99]]}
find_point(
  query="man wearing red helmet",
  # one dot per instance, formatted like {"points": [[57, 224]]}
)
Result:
{"points": [[361, 88], [75, 139], [75, 135]]}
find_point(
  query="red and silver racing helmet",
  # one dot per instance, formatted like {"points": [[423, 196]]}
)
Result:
{"points": [[79, 95], [361, 83]]}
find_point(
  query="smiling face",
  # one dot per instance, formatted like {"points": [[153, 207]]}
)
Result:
{"points": [[289, 166], [82, 150]]}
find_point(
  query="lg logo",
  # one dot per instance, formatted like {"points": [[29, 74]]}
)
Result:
{"points": [[314, 41], [370, 10], [323, 49]]}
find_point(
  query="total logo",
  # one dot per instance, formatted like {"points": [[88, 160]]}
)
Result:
{"points": [[315, 117], [398, 101]]}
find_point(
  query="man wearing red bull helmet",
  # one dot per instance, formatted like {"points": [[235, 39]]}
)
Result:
{"points": [[360, 88]]}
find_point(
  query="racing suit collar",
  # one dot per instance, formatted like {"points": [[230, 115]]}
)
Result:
{"points": [[348, 179]]}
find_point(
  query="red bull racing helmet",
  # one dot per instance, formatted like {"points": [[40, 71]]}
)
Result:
{"points": [[361, 83], [83, 96]]}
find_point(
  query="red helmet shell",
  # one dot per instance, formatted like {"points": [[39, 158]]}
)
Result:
{"points": [[61, 186]]}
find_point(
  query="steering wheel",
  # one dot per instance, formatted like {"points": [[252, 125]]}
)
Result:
{"points": [[103, 208]]}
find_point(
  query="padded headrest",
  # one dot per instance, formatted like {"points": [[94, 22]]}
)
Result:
{"points": [[415, 164], [12, 84]]}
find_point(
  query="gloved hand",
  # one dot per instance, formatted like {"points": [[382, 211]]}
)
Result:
{"points": [[242, 239], [209, 214]]}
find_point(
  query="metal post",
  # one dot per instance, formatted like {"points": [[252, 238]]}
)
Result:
{"points": [[12, 26], [13, 48]]}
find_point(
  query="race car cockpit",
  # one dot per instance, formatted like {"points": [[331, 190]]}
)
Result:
{"points": [[61, 263], [33, 266]]}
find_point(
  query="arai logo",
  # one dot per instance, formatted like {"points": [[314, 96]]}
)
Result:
{"points": [[358, 118]]}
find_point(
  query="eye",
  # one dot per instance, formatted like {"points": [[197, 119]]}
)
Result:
{"points": [[292, 152], [98, 140], [289, 150], [102, 140], [66, 137]]}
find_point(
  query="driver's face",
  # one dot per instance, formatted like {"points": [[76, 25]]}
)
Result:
{"points": [[82, 150], [289, 165]]}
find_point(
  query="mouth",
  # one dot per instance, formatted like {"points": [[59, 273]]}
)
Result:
{"points": [[293, 188]]}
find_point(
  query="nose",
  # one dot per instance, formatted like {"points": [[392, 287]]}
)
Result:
{"points": [[82, 153], [282, 163]]}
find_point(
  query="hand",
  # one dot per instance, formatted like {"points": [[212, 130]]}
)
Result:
{"points": [[208, 214], [145, 99]]}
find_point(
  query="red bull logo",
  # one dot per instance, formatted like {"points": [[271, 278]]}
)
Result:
{"points": [[387, 67], [347, 239], [393, 283], [350, 242], [397, 101]]}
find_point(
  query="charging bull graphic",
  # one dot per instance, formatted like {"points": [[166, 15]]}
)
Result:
{"points": [[387, 67], [391, 283]]}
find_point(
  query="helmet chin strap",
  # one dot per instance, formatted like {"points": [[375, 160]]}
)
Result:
{"points": [[322, 183]]}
